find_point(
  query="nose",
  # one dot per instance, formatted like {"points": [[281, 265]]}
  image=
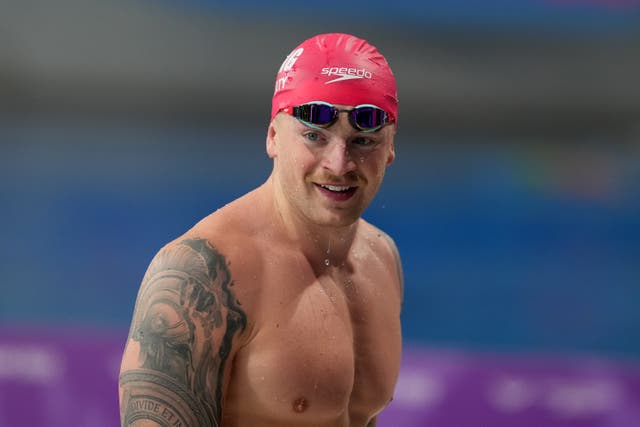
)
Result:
{"points": [[337, 159]]}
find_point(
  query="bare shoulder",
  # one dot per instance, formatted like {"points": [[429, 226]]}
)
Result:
{"points": [[385, 248], [229, 241], [191, 317], [234, 232], [186, 326]]}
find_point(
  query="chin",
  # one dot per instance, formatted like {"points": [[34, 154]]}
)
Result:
{"points": [[333, 219]]}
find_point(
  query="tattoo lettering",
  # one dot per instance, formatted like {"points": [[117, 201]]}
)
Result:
{"points": [[185, 320]]}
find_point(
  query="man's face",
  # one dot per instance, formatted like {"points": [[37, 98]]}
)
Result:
{"points": [[328, 176]]}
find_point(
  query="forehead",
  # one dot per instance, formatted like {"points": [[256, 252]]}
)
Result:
{"points": [[344, 107]]}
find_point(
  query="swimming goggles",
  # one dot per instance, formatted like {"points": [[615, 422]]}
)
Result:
{"points": [[320, 115]]}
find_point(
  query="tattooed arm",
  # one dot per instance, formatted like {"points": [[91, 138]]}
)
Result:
{"points": [[185, 324]]}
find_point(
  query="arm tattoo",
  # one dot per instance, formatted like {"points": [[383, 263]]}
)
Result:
{"points": [[185, 320]]}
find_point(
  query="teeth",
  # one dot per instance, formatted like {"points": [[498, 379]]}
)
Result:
{"points": [[335, 187]]}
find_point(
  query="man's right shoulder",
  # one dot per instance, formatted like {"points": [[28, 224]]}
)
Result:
{"points": [[188, 323], [218, 252], [233, 254], [220, 245]]}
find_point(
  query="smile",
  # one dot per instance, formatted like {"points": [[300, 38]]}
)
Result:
{"points": [[337, 188], [337, 193]]}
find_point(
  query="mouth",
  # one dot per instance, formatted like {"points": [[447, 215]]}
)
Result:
{"points": [[338, 193]]}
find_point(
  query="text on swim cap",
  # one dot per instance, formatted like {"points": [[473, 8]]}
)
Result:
{"points": [[287, 65], [344, 71]]}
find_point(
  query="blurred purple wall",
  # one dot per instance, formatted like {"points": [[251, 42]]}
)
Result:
{"points": [[70, 379]]}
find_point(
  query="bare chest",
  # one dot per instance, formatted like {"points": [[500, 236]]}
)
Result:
{"points": [[325, 348]]}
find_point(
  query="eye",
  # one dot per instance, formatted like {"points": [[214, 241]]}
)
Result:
{"points": [[313, 136], [364, 141]]}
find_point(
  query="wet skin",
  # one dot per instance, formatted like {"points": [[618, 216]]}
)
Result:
{"points": [[280, 309]]}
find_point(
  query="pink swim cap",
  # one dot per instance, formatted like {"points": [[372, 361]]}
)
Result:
{"points": [[338, 69]]}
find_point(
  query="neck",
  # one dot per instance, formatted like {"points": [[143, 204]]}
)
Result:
{"points": [[320, 243]]}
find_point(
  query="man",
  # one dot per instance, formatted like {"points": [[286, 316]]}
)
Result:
{"points": [[283, 308]]}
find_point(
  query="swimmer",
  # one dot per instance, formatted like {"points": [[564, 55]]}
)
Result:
{"points": [[282, 309]]}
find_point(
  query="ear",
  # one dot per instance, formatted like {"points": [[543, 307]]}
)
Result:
{"points": [[272, 147], [392, 153]]}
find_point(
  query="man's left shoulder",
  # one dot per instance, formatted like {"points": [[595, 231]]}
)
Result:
{"points": [[385, 247], [375, 234]]}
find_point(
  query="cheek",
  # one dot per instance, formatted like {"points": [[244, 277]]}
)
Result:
{"points": [[300, 163], [295, 170], [375, 168]]}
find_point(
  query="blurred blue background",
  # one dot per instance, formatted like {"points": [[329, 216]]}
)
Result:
{"points": [[513, 198]]}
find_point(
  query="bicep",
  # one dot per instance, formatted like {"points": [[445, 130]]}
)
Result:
{"points": [[184, 328]]}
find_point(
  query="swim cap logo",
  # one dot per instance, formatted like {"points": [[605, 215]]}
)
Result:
{"points": [[337, 68], [345, 73], [286, 66]]}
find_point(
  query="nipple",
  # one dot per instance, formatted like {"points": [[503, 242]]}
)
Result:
{"points": [[300, 405]]}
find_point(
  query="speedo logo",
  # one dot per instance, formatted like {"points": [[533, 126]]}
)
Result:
{"points": [[345, 73]]}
